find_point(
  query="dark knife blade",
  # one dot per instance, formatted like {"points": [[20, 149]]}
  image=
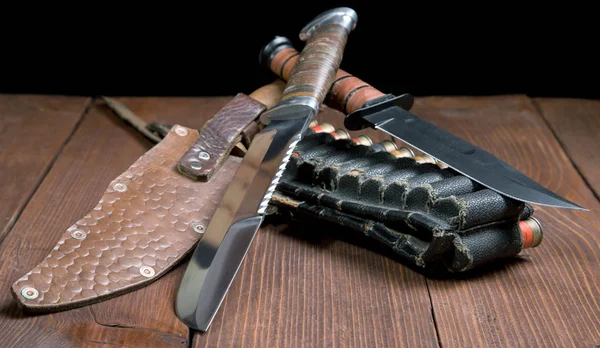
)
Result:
{"points": [[458, 154], [365, 106], [232, 228]]}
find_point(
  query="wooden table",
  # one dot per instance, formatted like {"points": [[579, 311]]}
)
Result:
{"points": [[58, 154]]}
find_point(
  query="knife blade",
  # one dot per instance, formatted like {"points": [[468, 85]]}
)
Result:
{"points": [[222, 249], [366, 107]]}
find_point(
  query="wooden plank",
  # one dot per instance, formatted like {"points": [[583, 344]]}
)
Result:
{"points": [[547, 297], [576, 124], [32, 131], [101, 149], [298, 288]]}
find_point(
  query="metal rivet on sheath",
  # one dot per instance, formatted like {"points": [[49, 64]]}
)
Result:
{"points": [[204, 156], [147, 271], [195, 165], [120, 187], [30, 293], [198, 227], [78, 234], [181, 131]]}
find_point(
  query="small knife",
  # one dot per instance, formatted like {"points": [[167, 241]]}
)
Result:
{"points": [[365, 107], [234, 224]]}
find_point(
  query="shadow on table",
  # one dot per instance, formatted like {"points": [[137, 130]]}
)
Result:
{"points": [[325, 234]]}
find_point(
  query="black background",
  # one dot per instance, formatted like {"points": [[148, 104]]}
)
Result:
{"points": [[421, 48]]}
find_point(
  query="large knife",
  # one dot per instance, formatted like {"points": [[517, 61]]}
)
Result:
{"points": [[365, 107], [234, 224]]}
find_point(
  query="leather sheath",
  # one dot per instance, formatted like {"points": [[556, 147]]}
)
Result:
{"points": [[148, 219], [219, 135]]}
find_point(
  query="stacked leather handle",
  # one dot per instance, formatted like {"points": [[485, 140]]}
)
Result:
{"points": [[347, 93], [308, 77]]}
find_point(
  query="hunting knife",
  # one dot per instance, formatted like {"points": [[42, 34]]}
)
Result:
{"points": [[366, 107], [222, 248]]}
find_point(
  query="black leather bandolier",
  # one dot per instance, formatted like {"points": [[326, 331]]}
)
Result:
{"points": [[431, 217]]}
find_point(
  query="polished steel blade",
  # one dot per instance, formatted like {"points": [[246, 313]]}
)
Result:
{"points": [[234, 224], [463, 157]]}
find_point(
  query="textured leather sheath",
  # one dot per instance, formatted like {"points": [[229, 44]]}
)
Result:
{"points": [[220, 134], [148, 219]]}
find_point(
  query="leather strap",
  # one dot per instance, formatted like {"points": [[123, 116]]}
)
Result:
{"points": [[204, 158], [148, 219], [249, 133]]}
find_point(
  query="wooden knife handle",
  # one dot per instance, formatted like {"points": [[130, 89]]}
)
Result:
{"points": [[347, 92], [315, 69]]}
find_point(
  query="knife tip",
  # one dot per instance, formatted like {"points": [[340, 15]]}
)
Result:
{"points": [[570, 205], [195, 325], [203, 329], [564, 204], [580, 208]]}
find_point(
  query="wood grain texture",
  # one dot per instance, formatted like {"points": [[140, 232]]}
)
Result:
{"points": [[576, 124], [298, 288], [32, 130], [294, 292], [102, 148], [548, 297], [301, 287]]}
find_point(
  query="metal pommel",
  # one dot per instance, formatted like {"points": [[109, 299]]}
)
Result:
{"points": [[344, 16]]}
